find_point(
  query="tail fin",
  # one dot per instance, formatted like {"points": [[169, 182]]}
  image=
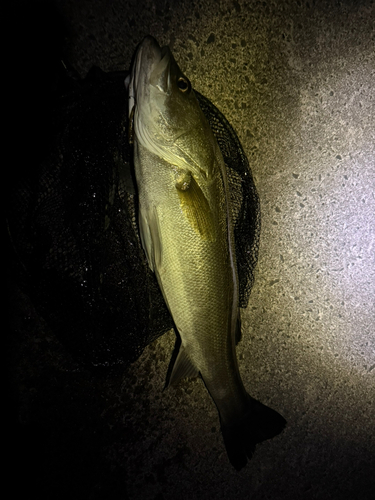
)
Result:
{"points": [[259, 423]]}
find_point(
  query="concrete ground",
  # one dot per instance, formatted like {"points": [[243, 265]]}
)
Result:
{"points": [[296, 81]]}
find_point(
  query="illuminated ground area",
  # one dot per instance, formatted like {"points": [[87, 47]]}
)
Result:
{"points": [[297, 83]]}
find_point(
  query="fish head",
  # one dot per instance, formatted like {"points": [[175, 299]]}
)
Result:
{"points": [[165, 114]]}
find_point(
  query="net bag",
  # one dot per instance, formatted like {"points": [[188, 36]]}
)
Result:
{"points": [[72, 224]]}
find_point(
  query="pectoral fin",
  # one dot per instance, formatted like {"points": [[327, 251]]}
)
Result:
{"points": [[195, 206], [150, 236]]}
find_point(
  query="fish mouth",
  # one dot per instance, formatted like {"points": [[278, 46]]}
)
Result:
{"points": [[160, 78], [151, 66], [154, 62], [150, 72]]}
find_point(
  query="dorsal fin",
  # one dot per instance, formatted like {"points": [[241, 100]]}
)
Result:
{"points": [[238, 332]]}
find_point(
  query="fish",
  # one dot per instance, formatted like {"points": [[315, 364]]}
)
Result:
{"points": [[186, 231]]}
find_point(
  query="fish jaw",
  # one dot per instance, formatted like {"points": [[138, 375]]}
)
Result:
{"points": [[149, 80], [146, 57]]}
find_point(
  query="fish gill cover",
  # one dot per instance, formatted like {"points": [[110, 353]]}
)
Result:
{"points": [[72, 222]]}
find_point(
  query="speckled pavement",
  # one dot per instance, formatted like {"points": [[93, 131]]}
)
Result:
{"points": [[296, 81]]}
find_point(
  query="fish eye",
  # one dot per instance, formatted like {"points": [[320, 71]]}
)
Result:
{"points": [[183, 84]]}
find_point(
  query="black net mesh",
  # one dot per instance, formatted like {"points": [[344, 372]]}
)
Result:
{"points": [[244, 197], [73, 231]]}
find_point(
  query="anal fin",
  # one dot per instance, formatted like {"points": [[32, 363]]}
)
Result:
{"points": [[180, 366]]}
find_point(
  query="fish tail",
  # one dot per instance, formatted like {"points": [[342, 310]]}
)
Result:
{"points": [[240, 438]]}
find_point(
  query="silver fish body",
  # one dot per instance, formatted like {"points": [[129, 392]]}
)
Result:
{"points": [[187, 235]]}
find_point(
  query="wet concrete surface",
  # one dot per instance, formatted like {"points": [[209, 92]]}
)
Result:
{"points": [[296, 81]]}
